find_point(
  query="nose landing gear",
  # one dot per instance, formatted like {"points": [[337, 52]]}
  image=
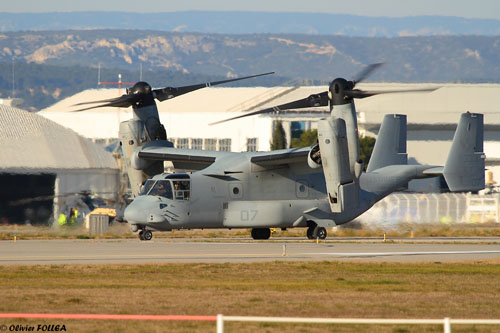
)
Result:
{"points": [[145, 235]]}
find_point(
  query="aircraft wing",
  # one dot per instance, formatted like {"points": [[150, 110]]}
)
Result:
{"points": [[280, 157], [192, 159], [187, 159]]}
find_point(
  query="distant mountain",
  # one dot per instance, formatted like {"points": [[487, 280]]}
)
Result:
{"points": [[409, 59], [252, 23], [190, 57]]}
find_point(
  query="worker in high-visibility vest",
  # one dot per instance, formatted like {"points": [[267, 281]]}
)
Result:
{"points": [[62, 219], [73, 215]]}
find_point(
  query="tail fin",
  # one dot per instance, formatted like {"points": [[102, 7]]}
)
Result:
{"points": [[390, 147], [464, 168]]}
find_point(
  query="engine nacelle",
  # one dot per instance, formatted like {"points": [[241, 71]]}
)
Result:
{"points": [[314, 157], [133, 134], [342, 188]]}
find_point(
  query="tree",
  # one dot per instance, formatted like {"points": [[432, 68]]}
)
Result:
{"points": [[366, 145], [307, 138], [278, 140]]}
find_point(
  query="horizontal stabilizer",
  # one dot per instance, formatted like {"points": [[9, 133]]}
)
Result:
{"points": [[390, 147], [464, 168]]}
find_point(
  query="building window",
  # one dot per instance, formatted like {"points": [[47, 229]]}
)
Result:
{"points": [[225, 144], [251, 144], [196, 143], [297, 128], [182, 143], [210, 144]]}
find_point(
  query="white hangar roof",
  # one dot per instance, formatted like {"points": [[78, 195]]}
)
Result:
{"points": [[442, 106], [32, 142]]}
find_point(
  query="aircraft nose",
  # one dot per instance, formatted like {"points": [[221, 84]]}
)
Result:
{"points": [[133, 213], [144, 209]]}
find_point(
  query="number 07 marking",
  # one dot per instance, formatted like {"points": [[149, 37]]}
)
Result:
{"points": [[248, 215]]}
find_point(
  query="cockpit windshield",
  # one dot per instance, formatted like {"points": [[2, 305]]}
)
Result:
{"points": [[147, 186], [178, 189], [162, 188]]}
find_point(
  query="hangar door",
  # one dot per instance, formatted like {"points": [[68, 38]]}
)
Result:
{"points": [[26, 198]]}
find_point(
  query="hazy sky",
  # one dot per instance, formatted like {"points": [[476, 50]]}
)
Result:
{"points": [[463, 8]]}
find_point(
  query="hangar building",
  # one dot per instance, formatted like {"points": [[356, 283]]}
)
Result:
{"points": [[44, 167]]}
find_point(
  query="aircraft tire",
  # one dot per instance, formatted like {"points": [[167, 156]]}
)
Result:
{"points": [[319, 232], [147, 235], [309, 233], [141, 235], [261, 233]]}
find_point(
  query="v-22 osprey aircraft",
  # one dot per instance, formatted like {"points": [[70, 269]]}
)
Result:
{"points": [[314, 187]]}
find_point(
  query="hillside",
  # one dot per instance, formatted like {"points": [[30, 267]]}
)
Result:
{"points": [[170, 55]]}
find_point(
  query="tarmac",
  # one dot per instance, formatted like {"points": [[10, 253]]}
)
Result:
{"points": [[164, 250]]}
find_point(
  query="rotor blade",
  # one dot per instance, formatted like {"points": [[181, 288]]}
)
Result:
{"points": [[171, 92], [366, 72], [356, 93], [314, 100], [101, 101], [124, 101]]}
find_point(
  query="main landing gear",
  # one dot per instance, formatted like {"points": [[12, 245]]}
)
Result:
{"points": [[315, 231], [145, 235], [261, 233]]}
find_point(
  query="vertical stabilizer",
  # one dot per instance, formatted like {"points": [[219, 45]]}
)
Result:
{"points": [[390, 147], [464, 168]]}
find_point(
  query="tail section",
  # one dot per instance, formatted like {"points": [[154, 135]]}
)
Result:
{"points": [[464, 168], [390, 147]]}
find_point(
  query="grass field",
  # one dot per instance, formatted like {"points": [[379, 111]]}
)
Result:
{"points": [[311, 289]]}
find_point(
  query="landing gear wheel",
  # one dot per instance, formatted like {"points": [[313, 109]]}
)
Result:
{"points": [[319, 232], [148, 235], [310, 232], [261, 233], [141, 235]]}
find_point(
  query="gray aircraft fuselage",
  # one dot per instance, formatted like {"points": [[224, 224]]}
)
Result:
{"points": [[275, 198]]}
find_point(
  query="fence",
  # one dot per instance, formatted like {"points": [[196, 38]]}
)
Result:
{"points": [[446, 322], [220, 319]]}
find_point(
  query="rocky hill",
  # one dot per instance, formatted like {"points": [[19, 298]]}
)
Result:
{"points": [[308, 58], [409, 59]]}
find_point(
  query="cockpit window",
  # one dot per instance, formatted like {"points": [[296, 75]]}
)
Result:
{"points": [[181, 189], [162, 188], [147, 186]]}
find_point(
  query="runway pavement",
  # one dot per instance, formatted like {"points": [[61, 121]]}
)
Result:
{"points": [[163, 250]]}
